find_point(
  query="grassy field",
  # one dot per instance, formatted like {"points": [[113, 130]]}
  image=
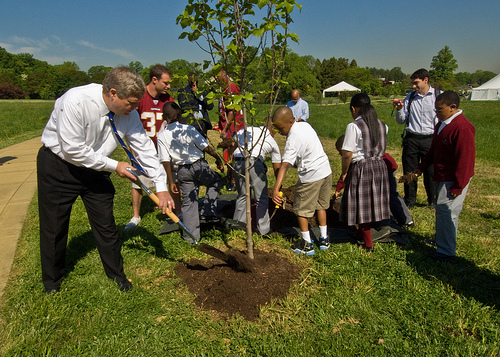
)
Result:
{"points": [[21, 120], [394, 302]]}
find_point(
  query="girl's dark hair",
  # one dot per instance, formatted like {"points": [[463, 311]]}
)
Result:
{"points": [[368, 113]]}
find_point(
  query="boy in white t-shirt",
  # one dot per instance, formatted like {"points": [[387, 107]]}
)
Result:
{"points": [[314, 186], [183, 145]]}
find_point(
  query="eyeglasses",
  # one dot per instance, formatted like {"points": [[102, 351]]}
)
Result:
{"points": [[438, 110]]}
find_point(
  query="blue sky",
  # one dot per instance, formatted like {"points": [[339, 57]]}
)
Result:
{"points": [[381, 34]]}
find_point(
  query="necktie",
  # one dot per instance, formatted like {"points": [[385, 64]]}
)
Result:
{"points": [[131, 156]]}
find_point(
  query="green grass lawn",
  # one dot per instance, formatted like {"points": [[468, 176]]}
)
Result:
{"points": [[21, 120], [394, 302]]}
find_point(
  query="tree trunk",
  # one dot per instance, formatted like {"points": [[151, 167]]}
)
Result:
{"points": [[248, 201]]}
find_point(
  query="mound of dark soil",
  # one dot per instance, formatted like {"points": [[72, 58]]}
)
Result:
{"points": [[219, 287]]}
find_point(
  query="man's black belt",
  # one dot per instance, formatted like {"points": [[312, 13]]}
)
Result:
{"points": [[418, 136]]}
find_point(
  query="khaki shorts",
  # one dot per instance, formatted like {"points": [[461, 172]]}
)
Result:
{"points": [[146, 180], [312, 196]]}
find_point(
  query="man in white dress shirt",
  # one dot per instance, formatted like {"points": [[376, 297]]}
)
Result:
{"points": [[75, 161], [417, 112]]}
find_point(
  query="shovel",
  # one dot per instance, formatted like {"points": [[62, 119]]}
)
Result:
{"points": [[236, 260]]}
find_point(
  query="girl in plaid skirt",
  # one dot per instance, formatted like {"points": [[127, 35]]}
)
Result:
{"points": [[366, 193]]}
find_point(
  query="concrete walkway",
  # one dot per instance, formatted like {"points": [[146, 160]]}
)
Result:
{"points": [[17, 186]]}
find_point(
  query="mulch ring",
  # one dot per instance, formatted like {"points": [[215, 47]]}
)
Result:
{"points": [[219, 287]]}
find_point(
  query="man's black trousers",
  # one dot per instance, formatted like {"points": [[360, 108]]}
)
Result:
{"points": [[414, 149], [59, 185]]}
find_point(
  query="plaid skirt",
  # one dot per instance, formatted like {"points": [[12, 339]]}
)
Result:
{"points": [[366, 194]]}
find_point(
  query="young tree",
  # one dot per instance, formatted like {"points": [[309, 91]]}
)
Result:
{"points": [[234, 36], [443, 65]]}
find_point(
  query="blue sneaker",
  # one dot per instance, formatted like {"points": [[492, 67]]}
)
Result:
{"points": [[303, 247], [324, 243]]}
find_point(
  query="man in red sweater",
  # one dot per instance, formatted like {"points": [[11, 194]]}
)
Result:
{"points": [[453, 154]]}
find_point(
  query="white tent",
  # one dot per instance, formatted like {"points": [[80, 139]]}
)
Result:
{"points": [[341, 87], [488, 91]]}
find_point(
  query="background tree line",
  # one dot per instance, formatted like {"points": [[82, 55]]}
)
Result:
{"points": [[23, 76]]}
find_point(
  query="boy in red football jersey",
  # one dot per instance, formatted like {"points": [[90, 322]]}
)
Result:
{"points": [[150, 111]]}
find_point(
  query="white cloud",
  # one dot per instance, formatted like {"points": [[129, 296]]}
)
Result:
{"points": [[50, 49], [8, 47], [32, 50], [116, 51], [19, 44]]}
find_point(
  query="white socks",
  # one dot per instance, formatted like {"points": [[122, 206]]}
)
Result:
{"points": [[306, 236], [323, 231]]}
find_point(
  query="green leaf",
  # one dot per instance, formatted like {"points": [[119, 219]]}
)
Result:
{"points": [[258, 32], [289, 7], [262, 3], [232, 47]]}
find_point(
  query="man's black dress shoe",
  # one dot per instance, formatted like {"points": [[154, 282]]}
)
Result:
{"points": [[125, 285], [51, 291]]}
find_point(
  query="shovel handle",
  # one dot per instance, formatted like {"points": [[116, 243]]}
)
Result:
{"points": [[156, 200], [281, 195]]}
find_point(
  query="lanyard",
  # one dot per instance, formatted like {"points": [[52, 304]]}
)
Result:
{"points": [[131, 156]]}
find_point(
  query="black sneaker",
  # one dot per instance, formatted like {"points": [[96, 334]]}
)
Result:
{"points": [[324, 243], [302, 247], [430, 242], [410, 224], [209, 219]]}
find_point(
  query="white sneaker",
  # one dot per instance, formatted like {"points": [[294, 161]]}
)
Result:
{"points": [[132, 224]]}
